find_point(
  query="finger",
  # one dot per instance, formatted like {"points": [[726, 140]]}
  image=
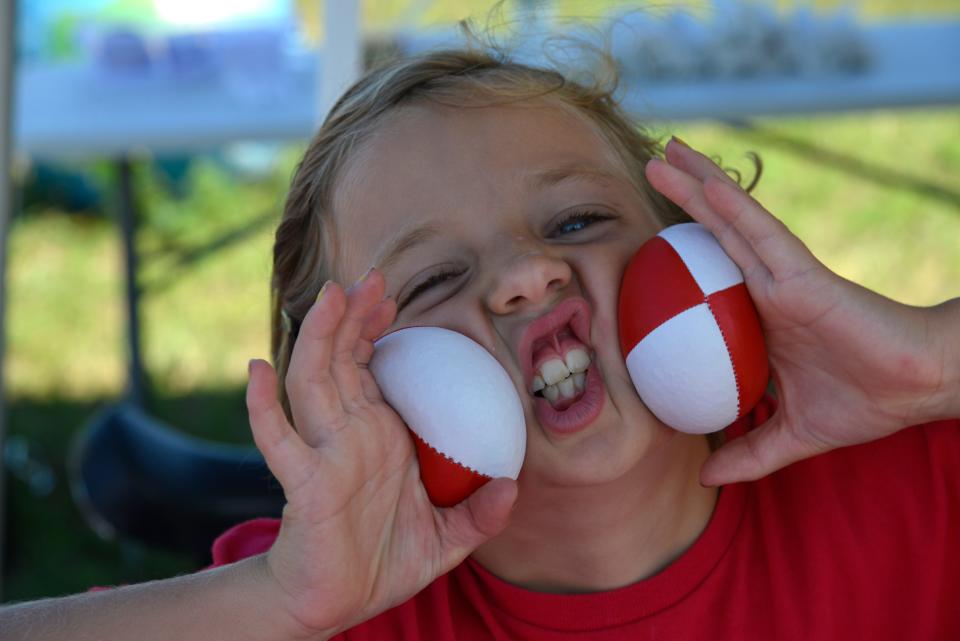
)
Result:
{"points": [[380, 319], [756, 454], [284, 451], [776, 246], [362, 298], [371, 390], [377, 323], [691, 161], [687, 192], [374, 325], [314, 397], [482, 515]]}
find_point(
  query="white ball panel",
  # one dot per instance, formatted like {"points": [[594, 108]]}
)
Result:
{"points": [[455, 395], [713, 270], [684, 374]]}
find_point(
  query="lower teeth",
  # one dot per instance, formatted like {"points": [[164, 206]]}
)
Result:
{"points": [[574, 385]]}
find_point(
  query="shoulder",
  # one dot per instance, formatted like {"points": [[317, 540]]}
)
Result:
{"points": [[864, 534], [919, 457], [927, 453], [883, 495]]}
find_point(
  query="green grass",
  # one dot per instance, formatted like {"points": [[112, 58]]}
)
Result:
{"points": [[873, 194], [384, 16], [204, 275]]}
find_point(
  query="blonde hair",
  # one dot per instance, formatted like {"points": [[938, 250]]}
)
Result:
{"points": [[304, 254]]}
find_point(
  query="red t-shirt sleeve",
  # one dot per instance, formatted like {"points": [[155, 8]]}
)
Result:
{"points": [[245, 540]]}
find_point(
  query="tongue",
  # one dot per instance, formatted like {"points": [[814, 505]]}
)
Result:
{"points": [[563, 403]]}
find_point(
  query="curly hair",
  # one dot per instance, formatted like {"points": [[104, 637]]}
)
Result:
{"points": [[304, 254]]}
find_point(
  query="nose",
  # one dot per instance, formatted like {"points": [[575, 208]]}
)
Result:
{"points": [[527, 281]]}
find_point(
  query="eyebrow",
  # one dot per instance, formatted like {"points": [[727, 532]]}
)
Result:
{"points": [[538, 180], [573, 171], [403, 244]]}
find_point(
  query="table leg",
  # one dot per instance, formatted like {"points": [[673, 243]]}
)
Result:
{"points": [[136, 378]]}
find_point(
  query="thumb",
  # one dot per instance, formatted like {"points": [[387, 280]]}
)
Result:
{"points": [[482, 515], [757, 453]]}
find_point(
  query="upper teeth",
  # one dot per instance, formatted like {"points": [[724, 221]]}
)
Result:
{"points": [[556, 370]]}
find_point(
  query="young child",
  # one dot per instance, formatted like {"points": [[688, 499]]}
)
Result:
{"points": [[498, 200]]}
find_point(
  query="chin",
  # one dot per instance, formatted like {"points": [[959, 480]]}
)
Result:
{"points": [[607, 451]]}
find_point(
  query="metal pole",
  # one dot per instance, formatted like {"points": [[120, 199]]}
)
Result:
{"points": [[136, 382], [7, 55], [342, 59]]}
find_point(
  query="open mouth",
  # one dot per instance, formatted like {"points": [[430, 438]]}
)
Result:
{"points": [[560, 366]]}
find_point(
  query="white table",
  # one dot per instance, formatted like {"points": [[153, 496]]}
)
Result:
{"points": [[70, 110], [77, 111], [912, 64]]}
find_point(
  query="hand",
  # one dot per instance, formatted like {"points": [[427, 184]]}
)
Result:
{"points": [[359, 534], [849, 365]]}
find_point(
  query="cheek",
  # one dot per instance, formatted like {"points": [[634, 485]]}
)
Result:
{"points": [[600, 275], [452, 314], [600, 281]]}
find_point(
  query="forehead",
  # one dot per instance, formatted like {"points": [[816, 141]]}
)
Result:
{"points": [[447, 165]]}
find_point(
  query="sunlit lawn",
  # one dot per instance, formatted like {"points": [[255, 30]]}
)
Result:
{"points": [[875, 195]]}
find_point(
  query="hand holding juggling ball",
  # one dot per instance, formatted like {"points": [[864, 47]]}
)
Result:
{"points": [[460, 405], [690, 332]]}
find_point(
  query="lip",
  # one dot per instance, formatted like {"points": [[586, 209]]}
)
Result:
{"points": [[573, 311], [580, 414]]}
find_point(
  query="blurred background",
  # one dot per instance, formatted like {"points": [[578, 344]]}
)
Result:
{"points": [[154, 140]]}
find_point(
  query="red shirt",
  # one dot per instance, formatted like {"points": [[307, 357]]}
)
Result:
{"points": [[859, 543]]}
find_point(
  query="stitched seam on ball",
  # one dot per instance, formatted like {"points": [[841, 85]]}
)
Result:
{"points": [[733, 366], [457, 463]]}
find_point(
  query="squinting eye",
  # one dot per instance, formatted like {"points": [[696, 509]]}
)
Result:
{"points": [[432, 280], [578, 221]]}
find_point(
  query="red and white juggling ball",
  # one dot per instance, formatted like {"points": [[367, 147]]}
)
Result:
{"points": [[690, 332], [460, 405]]}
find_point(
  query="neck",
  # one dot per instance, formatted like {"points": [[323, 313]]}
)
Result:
{"points": [[605, 536]]}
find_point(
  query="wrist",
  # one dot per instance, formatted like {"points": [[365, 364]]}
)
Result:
{"points": [[269, 597], [947, 328], [941, 399]]}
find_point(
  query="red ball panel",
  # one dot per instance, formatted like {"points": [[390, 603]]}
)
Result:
{"points": [[740, 326], [656, 287], [446, 481]]}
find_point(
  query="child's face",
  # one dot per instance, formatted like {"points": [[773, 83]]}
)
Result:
{"points": [[522, 211]]}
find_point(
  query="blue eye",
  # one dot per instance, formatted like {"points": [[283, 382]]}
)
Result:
{"points": [[430, 281], [578, 221]]}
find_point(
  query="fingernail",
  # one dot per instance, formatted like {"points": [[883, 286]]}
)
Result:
{"points": [[322, 290], [364, 277], [679, 140]]}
